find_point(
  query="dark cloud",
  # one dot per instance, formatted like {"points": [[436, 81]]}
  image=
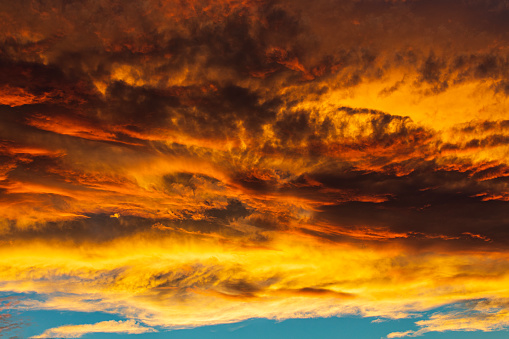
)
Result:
{"points": [[234, 210], [99, 87], [428, 201]]}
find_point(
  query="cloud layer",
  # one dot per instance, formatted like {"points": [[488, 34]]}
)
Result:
{"points": [[238, 156]]}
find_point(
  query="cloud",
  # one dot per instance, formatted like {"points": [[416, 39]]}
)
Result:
{"points": [[111, 326], [479, 315], [186, 279], [260, 158]]}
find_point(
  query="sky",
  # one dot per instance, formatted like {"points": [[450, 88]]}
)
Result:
{"points": [[247, 168]]}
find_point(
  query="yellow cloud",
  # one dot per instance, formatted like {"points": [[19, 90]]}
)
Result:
{"points": [[489, 317], [112, 326], [188, 280]]}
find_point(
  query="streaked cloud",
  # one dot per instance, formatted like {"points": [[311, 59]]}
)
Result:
{"points": [[111, 326], [477, 315]]}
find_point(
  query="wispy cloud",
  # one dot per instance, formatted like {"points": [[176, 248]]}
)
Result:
{"points": [[484, 315], [111, 326]]}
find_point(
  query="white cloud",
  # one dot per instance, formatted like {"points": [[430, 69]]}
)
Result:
{"points": [[484, 315], [111, 326]]}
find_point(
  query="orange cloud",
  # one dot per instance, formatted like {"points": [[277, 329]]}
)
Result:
{"points": [[245, 159], [212, 281]]}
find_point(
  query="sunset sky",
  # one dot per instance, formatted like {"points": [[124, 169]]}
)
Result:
{"points": [[254, 169]]}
